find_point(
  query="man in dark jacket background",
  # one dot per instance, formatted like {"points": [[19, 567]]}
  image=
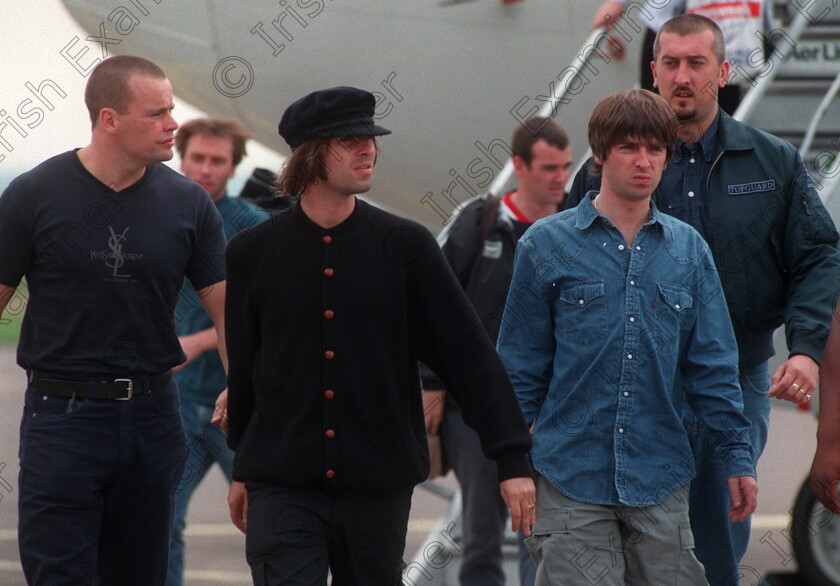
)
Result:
{"points": [[479, 245], [774, 245]]}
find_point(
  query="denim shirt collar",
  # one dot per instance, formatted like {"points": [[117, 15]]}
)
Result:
{"points": [[587, 214]]}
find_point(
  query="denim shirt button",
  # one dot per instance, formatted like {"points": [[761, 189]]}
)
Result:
{"points": [[633, 283], [620, 430], [629, 357], [690, 194], [632, 319], [621, 247], [626, 394]]}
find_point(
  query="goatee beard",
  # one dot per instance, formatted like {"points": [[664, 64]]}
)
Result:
{"points": [[687, 115]]}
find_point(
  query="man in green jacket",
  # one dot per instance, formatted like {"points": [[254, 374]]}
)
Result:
{"points": [[775, 247]]}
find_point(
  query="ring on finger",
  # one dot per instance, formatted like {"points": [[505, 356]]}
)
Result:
{"points": [[796, 387]]}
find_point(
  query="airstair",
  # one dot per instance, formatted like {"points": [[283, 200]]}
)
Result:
{"points": [[796, 98]]}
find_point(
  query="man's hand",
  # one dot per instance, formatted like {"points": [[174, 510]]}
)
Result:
{"points": [[608, 12], [520, 496], [606, 16], [795, 380], [743, 491], [433, 409], [194, 345], [238, 503], [220, 413], [825, 475]]}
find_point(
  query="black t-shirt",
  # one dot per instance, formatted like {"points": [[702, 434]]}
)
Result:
{"points": [[103, 268]]}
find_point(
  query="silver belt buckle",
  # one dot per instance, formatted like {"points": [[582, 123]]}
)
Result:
{"points": [[129, 386]]}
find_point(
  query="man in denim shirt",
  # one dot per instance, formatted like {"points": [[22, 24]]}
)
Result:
{"points": [[774, 245], [614, 321]]}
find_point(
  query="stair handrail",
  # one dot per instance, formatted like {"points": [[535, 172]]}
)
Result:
{"points": [[818, 114], [550, 108], [754, 95]]}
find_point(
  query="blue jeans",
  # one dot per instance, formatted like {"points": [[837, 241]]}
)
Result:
{"points": [[485, 513], [206, 444], [97, 487], [720, 544]]}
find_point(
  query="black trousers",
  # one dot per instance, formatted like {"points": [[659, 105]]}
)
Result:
{"points": [[97, 487], [295, 535]]}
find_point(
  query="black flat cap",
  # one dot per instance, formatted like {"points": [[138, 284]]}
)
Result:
{"points": [[335, 112]]}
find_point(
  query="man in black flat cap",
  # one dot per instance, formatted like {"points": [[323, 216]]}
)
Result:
{"points": [[330, 305]]}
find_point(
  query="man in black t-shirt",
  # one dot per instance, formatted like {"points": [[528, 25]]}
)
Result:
{"points": [[104, 236]]}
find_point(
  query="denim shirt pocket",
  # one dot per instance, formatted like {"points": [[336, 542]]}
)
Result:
{"points": [[674, 308], [584, 312], [677, 298]]}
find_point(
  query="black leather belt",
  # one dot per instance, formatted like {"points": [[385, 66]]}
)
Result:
{"points": [[118, 389]]}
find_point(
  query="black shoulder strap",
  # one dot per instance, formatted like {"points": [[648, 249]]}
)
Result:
{"points": [[491, 210], [488, 218]]}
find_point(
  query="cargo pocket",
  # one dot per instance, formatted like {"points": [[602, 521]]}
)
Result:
{"points": [[686, 536], [690, 570], [551, 523]]}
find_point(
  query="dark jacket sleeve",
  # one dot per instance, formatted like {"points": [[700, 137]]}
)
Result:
{"points": [[429, 380], [811, 254], [584, 182], [455, 345], [459, 240]]}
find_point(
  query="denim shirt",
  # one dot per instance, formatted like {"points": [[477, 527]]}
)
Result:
{"points": [[596, 337], [684, 184]]}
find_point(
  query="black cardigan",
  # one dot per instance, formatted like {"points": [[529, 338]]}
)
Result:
{"points": [[324, 331]]}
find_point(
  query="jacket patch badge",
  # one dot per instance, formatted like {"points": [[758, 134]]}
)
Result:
{"points": [[492, 249], [754, 187]]}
